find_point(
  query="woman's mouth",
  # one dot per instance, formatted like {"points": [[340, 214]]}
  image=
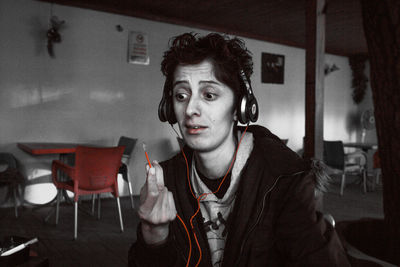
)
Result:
{"points": [[195, 129]]}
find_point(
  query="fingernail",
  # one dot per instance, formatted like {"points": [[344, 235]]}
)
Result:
{"points": [[155, 161], [152, 171]]}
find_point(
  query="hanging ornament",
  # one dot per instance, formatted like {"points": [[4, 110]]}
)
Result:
{"points": [[53, 35]]}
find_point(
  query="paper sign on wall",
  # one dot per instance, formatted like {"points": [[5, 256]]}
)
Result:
{"points": [[138, 48]]}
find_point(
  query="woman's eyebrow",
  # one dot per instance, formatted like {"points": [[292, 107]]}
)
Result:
{"points": [[179, 82], [200, 82], [210, 82]]}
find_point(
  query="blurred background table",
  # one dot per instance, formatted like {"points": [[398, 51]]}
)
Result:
{"points": [[363, 146]]}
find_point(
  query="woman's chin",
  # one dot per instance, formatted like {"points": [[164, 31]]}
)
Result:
{"points": [[196, 145]]}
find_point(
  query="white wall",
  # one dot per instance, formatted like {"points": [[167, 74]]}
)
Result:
{"points": [[339, 108], [89, 93]]}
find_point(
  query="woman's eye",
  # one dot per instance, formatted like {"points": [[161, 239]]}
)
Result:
{"points": [[210, 96], [180, 96]]}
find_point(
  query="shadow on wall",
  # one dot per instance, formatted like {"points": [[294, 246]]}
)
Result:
{"points": [[353, 123]]}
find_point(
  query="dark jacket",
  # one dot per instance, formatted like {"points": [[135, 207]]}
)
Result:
{"points": [[274, 221]]}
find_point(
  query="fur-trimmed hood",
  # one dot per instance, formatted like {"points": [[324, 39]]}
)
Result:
{"points": [[281, 160]]}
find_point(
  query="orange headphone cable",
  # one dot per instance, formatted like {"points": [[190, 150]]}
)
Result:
{"points": [[233, 160], [200, 198]]}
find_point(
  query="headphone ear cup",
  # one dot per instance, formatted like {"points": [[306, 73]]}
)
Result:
{"points": [[252, 109], [169, 110], [242, 113], [162, 110], [248, 109]]}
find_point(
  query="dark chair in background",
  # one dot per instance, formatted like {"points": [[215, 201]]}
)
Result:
{"points": [[11, 177], [377, 168], [340, 163], [95, 172], [129, 144]]}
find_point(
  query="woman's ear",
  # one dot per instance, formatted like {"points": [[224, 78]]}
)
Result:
{"points": [[235, 118]]}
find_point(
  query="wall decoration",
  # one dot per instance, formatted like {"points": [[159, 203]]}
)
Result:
{"points": [[53, 33], [138, 48], [328, 68], [272, 68]]}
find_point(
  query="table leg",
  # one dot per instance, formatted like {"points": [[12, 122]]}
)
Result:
{"points": [[63, 177]]}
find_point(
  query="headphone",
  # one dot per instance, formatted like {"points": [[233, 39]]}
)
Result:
{"points": [[247, 108]]}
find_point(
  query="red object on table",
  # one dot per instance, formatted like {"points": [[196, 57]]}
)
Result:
{"points": [[48, 148]]}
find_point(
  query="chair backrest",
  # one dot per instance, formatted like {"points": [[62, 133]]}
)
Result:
{"points": [[8, 160], [376, 160], [97, 167], [334, 154], [128, 143]]}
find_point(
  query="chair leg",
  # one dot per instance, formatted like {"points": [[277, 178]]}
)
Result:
{"points": [[125, 176], [130, 194], [378, 174], [342, 184], [75, 220], [364, 174], [98, 206], [93, 203], [58, 204], [15, 200], [120, 215]]}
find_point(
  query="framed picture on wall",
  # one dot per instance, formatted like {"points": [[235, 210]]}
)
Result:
{"points": [[272, 68], [138, 48]]}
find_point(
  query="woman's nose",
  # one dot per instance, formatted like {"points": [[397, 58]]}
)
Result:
{"points": [[193, 107]]}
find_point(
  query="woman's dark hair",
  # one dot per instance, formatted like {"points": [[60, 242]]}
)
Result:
{"points": [[228, 55]]}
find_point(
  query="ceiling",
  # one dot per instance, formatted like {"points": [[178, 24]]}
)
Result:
{"points": [[278, 21]]}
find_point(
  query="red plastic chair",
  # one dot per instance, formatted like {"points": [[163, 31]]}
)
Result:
{"points": [[95, 172]]}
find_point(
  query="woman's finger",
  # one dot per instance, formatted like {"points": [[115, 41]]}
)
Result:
{"points": [[171, 206], [165, 203], [152, 182], [150, 192], [159, 174]]}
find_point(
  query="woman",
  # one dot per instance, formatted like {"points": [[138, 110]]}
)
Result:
{"points": [[235, 196]]}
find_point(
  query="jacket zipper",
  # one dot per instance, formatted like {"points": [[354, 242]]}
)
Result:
{"points": [[259, 215]]}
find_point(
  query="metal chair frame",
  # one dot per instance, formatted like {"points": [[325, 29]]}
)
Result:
{"points": [[341, 163]]}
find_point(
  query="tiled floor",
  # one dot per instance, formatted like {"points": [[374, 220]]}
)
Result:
{"points": [[354, 203]]}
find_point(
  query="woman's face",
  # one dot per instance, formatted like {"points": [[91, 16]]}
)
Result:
{"points": [[204, 107]]}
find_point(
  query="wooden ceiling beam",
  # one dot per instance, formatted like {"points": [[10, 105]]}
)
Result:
{"points": [[272, 21]]}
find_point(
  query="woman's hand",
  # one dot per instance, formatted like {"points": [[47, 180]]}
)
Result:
{"points": [[157, 206]]}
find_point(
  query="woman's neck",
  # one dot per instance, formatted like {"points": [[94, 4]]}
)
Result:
{"points": [[215, 164]]}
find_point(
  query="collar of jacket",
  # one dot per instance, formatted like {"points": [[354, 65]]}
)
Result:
{"points": [[280, 159]]}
